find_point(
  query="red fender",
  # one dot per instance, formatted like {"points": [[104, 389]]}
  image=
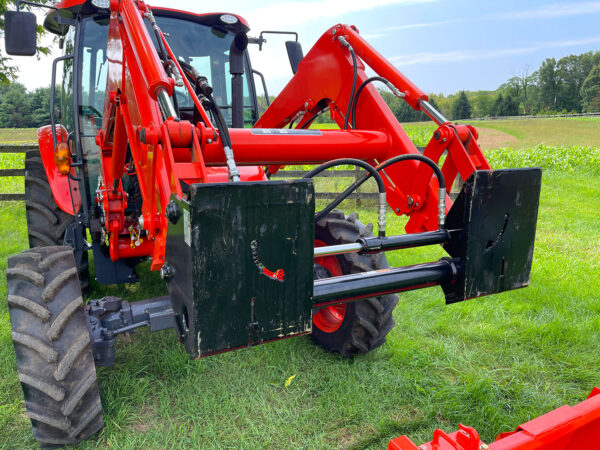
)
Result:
{"points": [[64, 190]]}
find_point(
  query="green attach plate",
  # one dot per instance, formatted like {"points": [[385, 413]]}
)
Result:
{"points": [[242, 255]]}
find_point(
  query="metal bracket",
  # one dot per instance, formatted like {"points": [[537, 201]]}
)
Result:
{"points": [[111, 316]]}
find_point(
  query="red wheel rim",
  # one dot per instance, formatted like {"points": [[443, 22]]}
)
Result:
{"points": [[329, 318]]}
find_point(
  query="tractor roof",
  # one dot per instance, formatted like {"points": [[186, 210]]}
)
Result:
{"points": [[68, 9]]}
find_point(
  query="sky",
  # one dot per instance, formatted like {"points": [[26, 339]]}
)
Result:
{"points": [[443, 46]]}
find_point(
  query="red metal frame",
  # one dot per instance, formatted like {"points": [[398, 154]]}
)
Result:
{"points": [[565, 428], [329, 319], [167, 152]]}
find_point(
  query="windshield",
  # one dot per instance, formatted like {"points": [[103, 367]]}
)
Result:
{"points": [[206, 50]]}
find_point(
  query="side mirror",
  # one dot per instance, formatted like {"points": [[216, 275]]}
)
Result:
{"points": [[20, 33], [295, 54]]}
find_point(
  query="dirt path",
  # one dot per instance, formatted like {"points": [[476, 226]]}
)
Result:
{"points": [[490, 138]]}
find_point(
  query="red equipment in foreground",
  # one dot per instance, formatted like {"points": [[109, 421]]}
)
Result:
{"points": [[566, 428]]}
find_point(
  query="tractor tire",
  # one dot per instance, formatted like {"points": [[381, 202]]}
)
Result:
{"points": [[46, 222], [357, 327], [52, 346]]}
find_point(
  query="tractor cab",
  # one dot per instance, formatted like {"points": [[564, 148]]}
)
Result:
{"points": [[199, 41]]}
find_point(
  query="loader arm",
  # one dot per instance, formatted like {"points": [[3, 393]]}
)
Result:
{"points": [[324, 80], [169, 153]]}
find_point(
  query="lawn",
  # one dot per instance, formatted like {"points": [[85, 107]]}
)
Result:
{"points": [[491, 363], [584, 131]]}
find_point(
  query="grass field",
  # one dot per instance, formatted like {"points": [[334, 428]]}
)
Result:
{"points": [[491, 363]]}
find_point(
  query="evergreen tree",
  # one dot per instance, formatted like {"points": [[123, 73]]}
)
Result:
{"points": [[40, 107], [548, 92], [590, 91], [15, 107], [461, 108], [510, 106]]}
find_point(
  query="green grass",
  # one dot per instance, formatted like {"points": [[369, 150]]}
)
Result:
{"points": [[492, 363], [17, 135], [551, 132]]}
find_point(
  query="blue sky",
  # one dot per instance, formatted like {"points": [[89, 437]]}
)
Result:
{"points": [[443, 46]]}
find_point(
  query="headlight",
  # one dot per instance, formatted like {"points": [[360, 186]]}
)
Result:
{"points": [[104, 4]]}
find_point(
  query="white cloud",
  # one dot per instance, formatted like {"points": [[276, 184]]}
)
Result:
{"points": [[422, 25], [467, 55], [553, 11]]}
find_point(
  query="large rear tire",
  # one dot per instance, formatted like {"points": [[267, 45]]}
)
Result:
{"points": [[46, 222], [360, 326], [52, 346]]}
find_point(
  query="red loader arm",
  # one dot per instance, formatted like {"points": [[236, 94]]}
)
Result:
{"points": [[166, 152], [324, 79]]}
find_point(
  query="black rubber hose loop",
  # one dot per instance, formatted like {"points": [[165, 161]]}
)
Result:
{"points": [[358, 92], [340, 198], [349, 161]]}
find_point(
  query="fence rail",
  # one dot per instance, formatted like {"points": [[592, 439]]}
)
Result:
{"points": [[22, 148], [541, 116], [356, 173]]}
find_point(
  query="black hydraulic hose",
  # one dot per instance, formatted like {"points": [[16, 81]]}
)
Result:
{"points": [[346, 44], [364, 84], [437, 172], [372, 172], [436, 169], [349, 161], [311, 120]]}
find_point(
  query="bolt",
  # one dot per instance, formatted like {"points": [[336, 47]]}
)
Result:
{"points": [[173, 212], [437, 135], [410, 201], [444, 140], [397, 210], [209, 141], [334, 31], [167, 271]]}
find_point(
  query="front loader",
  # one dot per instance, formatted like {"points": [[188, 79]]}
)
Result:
{"points": [[159, 154]]}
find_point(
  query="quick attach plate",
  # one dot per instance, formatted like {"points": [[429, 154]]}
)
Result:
{"points": [[242, 255], [497, 211]]}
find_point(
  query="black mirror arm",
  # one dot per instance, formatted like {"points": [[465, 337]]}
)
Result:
{"points": [[39, 5], [261, 40]]}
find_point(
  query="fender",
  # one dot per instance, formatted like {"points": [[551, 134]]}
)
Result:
{"points": [[65, 190]]}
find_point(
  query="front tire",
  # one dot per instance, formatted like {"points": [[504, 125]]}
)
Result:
{"points": [[52, 346], [357, 327], [46, 222]]}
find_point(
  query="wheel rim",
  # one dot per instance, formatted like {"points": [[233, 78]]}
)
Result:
{"points": [[329, 318]]}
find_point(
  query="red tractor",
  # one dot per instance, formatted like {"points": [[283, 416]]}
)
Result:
{"points": [[159, 154]]}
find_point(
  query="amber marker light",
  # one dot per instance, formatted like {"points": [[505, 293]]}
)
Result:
{"points": [[62, 158]]}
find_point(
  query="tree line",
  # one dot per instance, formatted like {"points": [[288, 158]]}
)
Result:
{"points": [[568, 85], [22, 109]]}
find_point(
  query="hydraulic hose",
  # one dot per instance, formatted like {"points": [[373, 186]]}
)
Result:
{"points": [[234, 174], [364, 84], [436, 170], [372, 172], [345, 43]]}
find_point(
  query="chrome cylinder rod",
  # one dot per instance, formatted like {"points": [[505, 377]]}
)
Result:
{"points": [[337, 249], [433, 113], [166, 104]]}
